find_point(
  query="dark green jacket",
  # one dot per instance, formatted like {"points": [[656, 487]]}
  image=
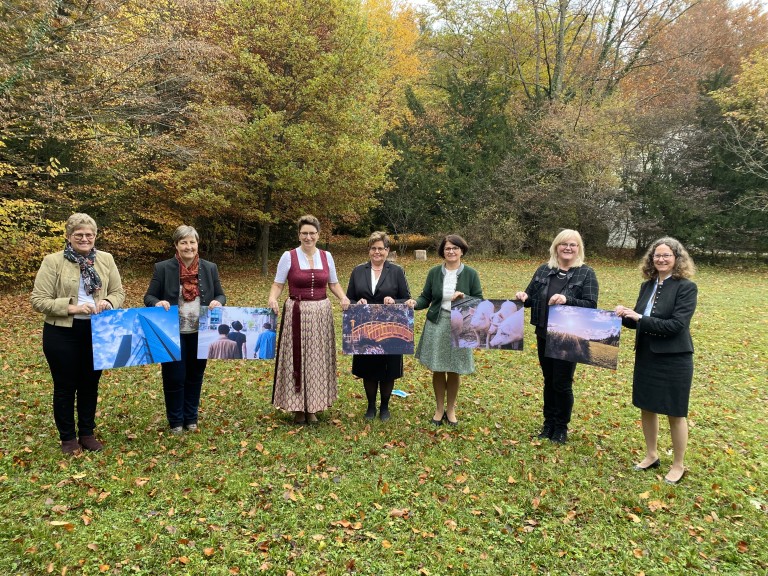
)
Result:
{"points": [[468, 282]]}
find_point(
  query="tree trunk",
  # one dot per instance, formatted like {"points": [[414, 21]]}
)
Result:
{"points": [[264, 238], [559, 71]]}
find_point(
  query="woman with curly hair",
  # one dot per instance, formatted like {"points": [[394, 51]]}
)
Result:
{"points": [[663, 349]]}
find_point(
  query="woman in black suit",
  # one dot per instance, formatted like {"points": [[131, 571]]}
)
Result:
{"points": [[190, 282], [663, 349], [378, 282]]}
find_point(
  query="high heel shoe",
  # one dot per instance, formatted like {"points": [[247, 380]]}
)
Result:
{"points": [[655, 464]]}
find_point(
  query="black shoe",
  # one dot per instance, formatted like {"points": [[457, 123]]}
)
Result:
{"points": [[546, 431], [639, 468], [451, 423], [384, 414], [559, 436], [676, 482], [439, 422], [370, 414]]}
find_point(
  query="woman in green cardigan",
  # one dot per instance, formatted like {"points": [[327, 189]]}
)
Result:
{"points": [[445, 283]]}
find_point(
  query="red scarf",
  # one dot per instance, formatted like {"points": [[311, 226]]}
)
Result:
{"points": [[190, 285]]}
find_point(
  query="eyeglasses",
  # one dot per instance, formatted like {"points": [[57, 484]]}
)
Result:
{"points": [[83, 236], [663, 256], [570, 245], [451, 249], [378, 249], [307, 234]]}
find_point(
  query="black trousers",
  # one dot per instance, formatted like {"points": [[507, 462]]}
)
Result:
{"points": [[183, 383], [69, 353], [558, 387]]}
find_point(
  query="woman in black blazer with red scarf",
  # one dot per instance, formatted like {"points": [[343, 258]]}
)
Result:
{"points": [[378, 371], [663, 349], [190, 282]]}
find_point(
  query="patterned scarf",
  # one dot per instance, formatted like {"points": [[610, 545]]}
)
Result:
{"points": [[190, 285], [91, 280]]}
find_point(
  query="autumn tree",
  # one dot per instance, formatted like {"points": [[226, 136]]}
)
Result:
{"points": [[745, 105], [293, 123], [90, 102]]}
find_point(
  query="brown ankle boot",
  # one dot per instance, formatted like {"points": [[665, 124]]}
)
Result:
{"points": [[70, 446], [90, 443]]}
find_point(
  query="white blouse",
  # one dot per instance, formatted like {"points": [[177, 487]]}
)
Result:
{"points": [[449, 287], [284, 265]]}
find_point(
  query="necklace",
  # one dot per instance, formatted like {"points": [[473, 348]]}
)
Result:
{"points": [[377, 269]]}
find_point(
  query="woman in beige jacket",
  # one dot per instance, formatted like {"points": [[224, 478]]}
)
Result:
{"points": [[70, 286]]}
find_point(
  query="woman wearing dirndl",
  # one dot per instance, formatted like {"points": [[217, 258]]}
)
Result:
{"points": [[450, 281], [305, 367]]}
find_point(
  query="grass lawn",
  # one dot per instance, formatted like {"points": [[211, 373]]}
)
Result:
{"points": [[253, 494]]}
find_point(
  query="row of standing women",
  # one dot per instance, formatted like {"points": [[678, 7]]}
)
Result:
{"points": [[79, 281]]}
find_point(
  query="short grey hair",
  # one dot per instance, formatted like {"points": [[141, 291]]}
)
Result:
{"points": [[77, 221], [184, 231]]}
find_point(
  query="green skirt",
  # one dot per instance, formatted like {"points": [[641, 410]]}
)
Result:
{"points": [[435, 351]]}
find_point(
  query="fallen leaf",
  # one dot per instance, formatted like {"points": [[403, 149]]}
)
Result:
{"points": [[399, 513], [68, 526]]}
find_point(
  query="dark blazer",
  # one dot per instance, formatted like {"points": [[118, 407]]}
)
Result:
{"points": [[165, 283], [391, 283], [667, 328]]}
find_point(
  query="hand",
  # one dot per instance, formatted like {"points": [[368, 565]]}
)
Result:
{"points": [[164, 304], [389, 300], [103, 305], [344, 303], [214, 304], [557, 299], [410, 303], [457, 296], [86, 308], [522, 296], [275, 308], [624, 312], [362, 301]]}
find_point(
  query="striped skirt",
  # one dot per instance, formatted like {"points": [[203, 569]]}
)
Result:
{"points": [[319, 385]]}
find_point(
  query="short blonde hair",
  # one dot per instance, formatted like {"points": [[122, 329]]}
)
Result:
{"points": [[77, 221], [379, 237], [683, 268], [310, 220], [564, 236]]}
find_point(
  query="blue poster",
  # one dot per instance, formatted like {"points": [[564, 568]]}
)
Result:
{"points": [[135, 336]]}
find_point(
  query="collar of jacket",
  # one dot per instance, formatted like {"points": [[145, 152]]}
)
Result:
{"points": [[461, 269], [568, 274]]}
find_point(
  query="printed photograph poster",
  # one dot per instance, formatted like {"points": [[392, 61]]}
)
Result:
{"points": [[584, 335], [135, 336], [232, 333], [377, 329], [489, 324]]}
